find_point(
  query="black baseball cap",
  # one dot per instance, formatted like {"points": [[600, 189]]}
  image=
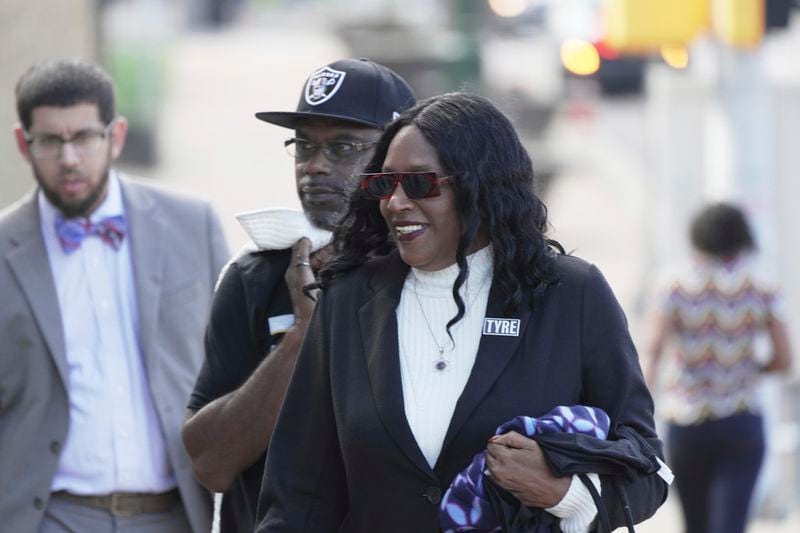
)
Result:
{"points": [[351, 90]]}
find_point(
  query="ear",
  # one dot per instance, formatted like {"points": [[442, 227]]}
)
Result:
{"points": [[22, 143], [118, 134]]}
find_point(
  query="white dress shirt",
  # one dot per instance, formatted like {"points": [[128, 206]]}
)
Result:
{"points": [[114, 441]]}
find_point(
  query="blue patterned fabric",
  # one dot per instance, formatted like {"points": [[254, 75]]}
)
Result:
{"points": [[72, 231], [466, 506]]}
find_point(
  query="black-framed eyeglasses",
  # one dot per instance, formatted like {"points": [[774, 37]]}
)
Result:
{"points": [[85, 142], [303, 149], [416, 185]]}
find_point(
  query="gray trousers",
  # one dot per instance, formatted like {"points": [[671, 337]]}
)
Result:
{"points": [[65, 516]]}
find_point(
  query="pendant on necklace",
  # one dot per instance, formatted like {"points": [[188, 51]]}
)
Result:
{"points": [[441, 363]]}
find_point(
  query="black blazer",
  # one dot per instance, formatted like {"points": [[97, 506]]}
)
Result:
{"points": [[343, 458]]}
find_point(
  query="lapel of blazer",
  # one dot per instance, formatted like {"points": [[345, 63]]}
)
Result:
{"points": [[147, 228], [31, 266], [494, 353], [378, 321]]}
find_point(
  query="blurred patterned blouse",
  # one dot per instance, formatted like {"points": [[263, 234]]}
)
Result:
{"points": [[717, 312]]}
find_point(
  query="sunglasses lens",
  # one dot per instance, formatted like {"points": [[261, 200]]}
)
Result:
{"points": [[380, 186], [418, 185]]}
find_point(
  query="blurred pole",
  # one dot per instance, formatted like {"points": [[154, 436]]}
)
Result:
{"points": [[676, 105], [136, 42], [750, 181], [786, 97], [31, 32], [465, 71], [744, 95]]}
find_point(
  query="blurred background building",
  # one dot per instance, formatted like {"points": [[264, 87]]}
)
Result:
{"points": [[636, 112]]}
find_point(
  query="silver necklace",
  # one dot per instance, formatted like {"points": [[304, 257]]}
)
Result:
{"points": [[441, 362]]}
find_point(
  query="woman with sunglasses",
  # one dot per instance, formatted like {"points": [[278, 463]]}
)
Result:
{"points": [[446, 312]]}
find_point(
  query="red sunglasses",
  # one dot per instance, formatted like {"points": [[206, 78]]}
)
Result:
{"points": [[416, 185]]}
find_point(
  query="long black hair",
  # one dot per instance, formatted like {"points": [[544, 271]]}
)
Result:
{"points": [[494, 194]]}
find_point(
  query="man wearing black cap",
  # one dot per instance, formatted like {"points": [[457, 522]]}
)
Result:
{"points": [[260, 314]]}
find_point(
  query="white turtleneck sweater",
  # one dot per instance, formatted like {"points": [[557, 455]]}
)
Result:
{"points": [[430, 395], [426, 305]]}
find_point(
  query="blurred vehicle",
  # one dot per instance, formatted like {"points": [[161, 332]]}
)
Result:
{"points": [[579, 25], [615, 73]]}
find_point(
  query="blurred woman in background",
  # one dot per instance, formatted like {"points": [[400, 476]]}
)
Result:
{"points": [[709, 317]]}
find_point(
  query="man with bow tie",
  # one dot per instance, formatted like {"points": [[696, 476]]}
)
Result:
{"points": [[105, 286]]}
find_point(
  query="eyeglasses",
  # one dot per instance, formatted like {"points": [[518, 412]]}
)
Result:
{"points": [[416, 185], [85, 142], [303, 149]]}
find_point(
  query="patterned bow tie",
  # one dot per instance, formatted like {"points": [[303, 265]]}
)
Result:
{"points": [[72, 231]]}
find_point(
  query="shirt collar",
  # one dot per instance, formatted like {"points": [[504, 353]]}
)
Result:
{"points": [[112, 204], [480, 265]]}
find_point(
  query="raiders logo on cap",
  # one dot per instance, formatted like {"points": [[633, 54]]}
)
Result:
{"points": [[372, 96], [323, 84]]}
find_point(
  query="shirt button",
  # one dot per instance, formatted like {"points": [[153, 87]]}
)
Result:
{"points": [[55, 447], [38, 503], [434, 495]]}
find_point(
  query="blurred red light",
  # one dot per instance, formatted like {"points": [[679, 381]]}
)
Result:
{"points": [[606, 51]]}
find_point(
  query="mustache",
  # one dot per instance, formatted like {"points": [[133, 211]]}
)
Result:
{"points": [[342, 191], [72, 175]]}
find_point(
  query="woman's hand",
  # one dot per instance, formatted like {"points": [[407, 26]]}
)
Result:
{"points": [[517, 464]]}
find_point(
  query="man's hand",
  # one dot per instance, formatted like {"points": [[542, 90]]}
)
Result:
{"points": [[298, 275], [517, 464], [246, 416]]}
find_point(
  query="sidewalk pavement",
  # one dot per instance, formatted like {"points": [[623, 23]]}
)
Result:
{"points": [[668, 520]]}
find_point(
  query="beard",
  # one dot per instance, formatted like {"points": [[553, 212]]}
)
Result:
{"points": [[323, 220], [75, 208]]}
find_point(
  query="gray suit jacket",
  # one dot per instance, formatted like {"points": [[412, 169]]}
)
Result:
{"points": [[177, 249]]}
